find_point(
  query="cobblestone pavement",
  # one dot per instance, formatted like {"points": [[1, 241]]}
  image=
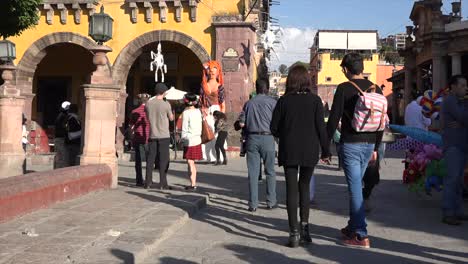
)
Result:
{"points": [[155, 227], [404, 227], [124, 225]]}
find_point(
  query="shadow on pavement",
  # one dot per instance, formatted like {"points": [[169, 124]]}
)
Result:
{"points": [[168, 260], [395, 207], [126, 257], [334, 254]]}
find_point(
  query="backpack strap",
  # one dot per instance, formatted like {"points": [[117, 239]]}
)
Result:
{"points": [[372, 87]]}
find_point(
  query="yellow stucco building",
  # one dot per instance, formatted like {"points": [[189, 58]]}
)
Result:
{"points": [[328, 50], [54, 58]]}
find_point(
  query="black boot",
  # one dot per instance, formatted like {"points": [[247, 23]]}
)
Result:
{"points": [[305, 234], [294, 239], [225, 162]]}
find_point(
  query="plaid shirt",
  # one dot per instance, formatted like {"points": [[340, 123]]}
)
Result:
{"points": [[140, 125]]}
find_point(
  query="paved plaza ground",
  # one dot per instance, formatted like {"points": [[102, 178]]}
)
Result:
{"points": [[133, 225]]}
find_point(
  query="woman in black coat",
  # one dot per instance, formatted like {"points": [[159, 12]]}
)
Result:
{"points": [[298, 122]]}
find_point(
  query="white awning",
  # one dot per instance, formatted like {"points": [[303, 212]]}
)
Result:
{"points": [[333, 40], [173, 94], [362, 41]]}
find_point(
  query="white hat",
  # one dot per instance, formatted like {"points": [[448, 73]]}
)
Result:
{"points": [[66, 105], [419, 99]]}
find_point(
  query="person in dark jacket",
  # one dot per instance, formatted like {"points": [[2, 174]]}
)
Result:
{"points": [[454, 118], [357, 149], [221, 127], [61, 154], [298, 122], [73, 139]]}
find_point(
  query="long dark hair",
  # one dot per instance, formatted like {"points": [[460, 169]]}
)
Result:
{"points": [[298, 81], [219, 115]]}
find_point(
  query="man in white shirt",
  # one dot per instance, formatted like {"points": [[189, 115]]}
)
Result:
{"points": [[414, 116]]}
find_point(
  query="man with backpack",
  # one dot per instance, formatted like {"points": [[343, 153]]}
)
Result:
{"points": [[362, 109]]}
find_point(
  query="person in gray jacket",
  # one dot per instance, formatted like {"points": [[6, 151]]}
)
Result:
{"points": [[256, 119]]}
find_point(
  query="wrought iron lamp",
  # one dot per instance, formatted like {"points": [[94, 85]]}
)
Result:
{"points": [[100, 27]]}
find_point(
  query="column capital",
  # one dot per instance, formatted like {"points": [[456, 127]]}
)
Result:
{"points": [[8, 88], [102, 74]]}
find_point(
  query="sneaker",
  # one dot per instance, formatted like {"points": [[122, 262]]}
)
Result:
{"points": [[367, 206], [272, 207], [356, 242], [346, 233], [451, 220], [191, 188]]}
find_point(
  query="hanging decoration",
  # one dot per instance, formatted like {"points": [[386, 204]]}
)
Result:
{"points": [[157, 64], [271, 39]]}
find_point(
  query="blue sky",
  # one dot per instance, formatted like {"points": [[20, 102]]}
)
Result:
{"points": [[300, 19]]}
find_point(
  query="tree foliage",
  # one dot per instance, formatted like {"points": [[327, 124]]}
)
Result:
{"points": [[283, 69], [390, 55], [300, 63], [17, 16]]}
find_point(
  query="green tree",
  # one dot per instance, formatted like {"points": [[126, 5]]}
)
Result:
{"points": [[300, 63], [283, 69], [17, 16], [390, 55]]}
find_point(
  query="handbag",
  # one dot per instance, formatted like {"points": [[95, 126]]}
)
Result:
{"points": [[207, 134], [74, 135]]}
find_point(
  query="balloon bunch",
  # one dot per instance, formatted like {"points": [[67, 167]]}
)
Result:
{"points": [[425, 170], [431, 103]]}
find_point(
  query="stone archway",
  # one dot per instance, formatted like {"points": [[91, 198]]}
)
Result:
{"points": [[33, 56], [127, 56], [133, 50]]}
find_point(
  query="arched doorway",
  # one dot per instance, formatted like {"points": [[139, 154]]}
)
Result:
{"points": [[59, 77], [183, 71], [131, 68], [28, 64], [50, 71]]}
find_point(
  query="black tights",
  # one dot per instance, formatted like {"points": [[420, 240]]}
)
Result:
{"points": [[219, 145], [295, 189]]}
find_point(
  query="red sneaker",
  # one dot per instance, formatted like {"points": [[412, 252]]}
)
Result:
{"points": [[356, 242]]}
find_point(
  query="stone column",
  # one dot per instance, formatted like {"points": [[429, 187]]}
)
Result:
{"points": [[12, 155], [238, 36], [419, 79], [121, 122], [101, 97], [409, 78], [456, 63], [439, 73]]}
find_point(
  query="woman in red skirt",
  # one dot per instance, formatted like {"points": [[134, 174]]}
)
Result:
{"points": [[191, 137]]}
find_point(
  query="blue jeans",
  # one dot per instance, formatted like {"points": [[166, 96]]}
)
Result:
{"points": [[141, 151], [261, 148], [356, 157], [452, 203]]}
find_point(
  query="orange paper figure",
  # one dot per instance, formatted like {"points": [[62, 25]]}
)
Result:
{"points": [[212, 90]]}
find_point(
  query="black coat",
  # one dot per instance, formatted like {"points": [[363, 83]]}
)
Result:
{"points": [[298, 122]]}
